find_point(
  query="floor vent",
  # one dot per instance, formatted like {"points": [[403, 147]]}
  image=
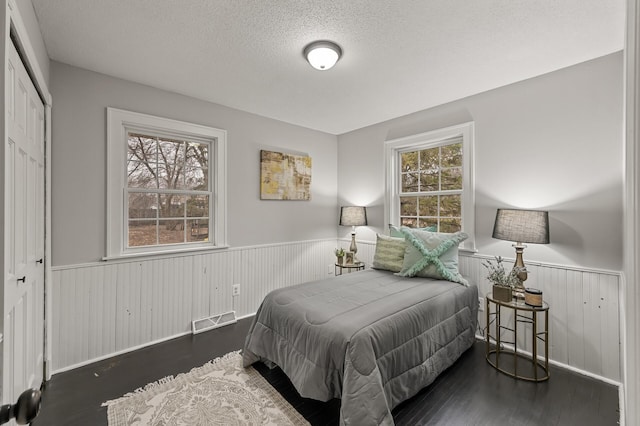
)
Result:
{"points": [[214, 321]]}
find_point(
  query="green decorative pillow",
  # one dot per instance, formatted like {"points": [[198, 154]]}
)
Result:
{"points": [[394, 231], [432, 255], [389, 253]]}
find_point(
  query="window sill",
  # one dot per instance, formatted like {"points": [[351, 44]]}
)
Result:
{"points": [[164, 253]]}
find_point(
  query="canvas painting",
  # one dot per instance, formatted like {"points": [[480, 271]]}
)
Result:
{"points": [[349, 258], [284, 176]]}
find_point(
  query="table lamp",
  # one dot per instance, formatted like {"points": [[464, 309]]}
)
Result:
{"points": [[521, 226], [353, 216]]}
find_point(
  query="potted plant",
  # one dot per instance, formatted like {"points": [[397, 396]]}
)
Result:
{"points": [[503, 282], [340, 255]]}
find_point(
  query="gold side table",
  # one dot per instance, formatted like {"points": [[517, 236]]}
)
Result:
{"points": [[349, 267], [506, 360]]}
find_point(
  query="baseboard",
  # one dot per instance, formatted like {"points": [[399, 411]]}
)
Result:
{"points": [[121, 352], [561, 365], [135, 348]]}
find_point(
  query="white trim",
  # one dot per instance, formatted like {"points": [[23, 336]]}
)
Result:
{"points": [[483, 339], [25, 47], [435, 137], [169, 252], [129, 259], [630, 326], [529, 262], [119, 122], [551, 265], [121, 352], [135, 348], [582, 372], [47, 256]]}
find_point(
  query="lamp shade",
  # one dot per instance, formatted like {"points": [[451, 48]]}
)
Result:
{"points": [[522, 226], [353, 216]]}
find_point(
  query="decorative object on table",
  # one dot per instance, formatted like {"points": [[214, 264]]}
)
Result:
{"points": [[521, 226], [504, 284], [219, 392], [350, 258], [284, 176], [502, 293], [533, 297], [339, 255], [322, 54], [353, 216]]}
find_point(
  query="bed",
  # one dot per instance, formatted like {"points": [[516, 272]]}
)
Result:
{"points": [[371, 338]]}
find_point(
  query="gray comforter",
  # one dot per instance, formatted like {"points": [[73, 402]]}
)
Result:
{"points": [[371, 338]]}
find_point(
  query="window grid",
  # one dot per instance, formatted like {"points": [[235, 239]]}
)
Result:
{"points": [[173, 217], [424, 206]]}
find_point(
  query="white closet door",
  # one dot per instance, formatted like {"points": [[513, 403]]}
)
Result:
{"points": [[23, 290]]}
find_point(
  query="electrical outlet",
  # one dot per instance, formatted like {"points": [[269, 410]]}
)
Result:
{"points": [[235, 290], [481, 301]]}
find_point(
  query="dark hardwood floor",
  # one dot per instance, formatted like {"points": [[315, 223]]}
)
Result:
{"points": [[469, 393]]}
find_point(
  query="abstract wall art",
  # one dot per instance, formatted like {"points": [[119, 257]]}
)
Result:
{"points": [[284, 176]]}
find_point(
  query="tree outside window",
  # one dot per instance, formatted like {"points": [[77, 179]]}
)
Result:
{"points": [[431, 183], [168, 190]]}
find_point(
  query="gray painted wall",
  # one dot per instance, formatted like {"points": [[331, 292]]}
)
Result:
{"points": [[79, 164], [553, 142]]}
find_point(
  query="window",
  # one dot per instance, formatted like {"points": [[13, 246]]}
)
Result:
{"points": [[430, 181], [166, 185], [167, 192]]}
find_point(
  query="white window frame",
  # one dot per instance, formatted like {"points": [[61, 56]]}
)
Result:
{"points": [[119, 124], [432, 139]]}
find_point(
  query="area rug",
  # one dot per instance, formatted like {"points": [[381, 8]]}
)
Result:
{"points": [[220, 392]]}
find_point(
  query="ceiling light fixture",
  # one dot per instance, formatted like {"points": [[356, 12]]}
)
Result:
{"points": [[322, 55]]}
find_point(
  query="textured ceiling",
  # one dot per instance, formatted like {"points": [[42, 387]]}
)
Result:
{"points": [[400, 56]]}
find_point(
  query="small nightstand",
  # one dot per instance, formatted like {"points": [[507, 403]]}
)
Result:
{"points": [[349, 267], [506, 360]]}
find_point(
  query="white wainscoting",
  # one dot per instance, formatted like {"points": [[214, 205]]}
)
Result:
{"points": [[107, 308], [584, 314]]}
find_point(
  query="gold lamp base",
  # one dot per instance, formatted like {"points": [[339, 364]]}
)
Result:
{"points": [[353, 248], [519, 291]]}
